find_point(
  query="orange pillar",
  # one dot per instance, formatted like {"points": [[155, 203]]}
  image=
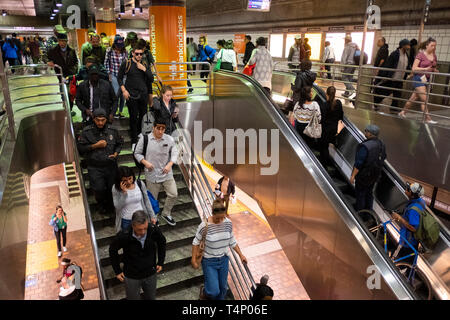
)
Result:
{"points": [[105, 19], [82, 37], [168, 40]]}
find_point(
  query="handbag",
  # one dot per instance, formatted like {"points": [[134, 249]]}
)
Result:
{"points": [[248, 70], [53, 224], [314, 128], [153, 202], [219, 62], [201, 246]]}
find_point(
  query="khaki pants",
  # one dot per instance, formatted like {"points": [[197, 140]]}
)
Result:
{"points": [[170, 187]]}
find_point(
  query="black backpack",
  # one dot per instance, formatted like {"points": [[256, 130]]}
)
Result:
{"points": [[357, 56], [139, 165]]}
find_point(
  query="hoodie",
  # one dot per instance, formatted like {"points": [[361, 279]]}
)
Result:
{"points": [[303, 79], [349, 53], [382, 54]]}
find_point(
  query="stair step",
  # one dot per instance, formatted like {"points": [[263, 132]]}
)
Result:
{"points": [[167, 282]]}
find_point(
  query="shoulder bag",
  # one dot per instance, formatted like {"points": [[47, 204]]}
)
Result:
{"points": [[248, 70], [314, 128], [201, 247]]}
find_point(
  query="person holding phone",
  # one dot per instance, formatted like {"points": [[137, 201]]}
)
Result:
{"points": [[166, 108], [59, 222]]}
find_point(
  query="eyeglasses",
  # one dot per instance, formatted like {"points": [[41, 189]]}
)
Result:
{"points": [[139, 53]]}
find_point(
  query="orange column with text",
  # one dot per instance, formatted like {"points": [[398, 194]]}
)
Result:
{"points": [[167, 20]]}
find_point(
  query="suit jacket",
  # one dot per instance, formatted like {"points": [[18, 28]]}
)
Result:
{"points": [[106, 97]]}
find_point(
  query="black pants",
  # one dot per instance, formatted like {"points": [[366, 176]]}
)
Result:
{"points": [[101, 180], [300, 127], [58, 234], [324, 141], [328, 68], [204, 74], [137, 109], [364, 196], [386, 92], [12, 62]]}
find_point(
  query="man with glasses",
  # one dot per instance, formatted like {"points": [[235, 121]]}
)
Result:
{"points": [[158, 159], [137, 89]]}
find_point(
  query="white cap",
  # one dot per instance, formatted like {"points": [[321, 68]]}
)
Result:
{"points": [[417, 189], [297, 36]]}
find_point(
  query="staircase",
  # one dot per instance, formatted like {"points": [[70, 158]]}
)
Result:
{"points": [[178, 280], [72, 181]]}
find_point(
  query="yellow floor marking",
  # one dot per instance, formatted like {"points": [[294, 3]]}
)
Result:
{"points": [[41, 257]]}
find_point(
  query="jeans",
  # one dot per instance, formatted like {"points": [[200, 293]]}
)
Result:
{"points": [[116, 88], [133, 288], [328, 68], [125, 225], [348, 86], [364, 196], [170, 187], [215, 271], [58, 234]]}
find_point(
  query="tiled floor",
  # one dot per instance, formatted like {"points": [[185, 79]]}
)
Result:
{"points": [[42, 265]]}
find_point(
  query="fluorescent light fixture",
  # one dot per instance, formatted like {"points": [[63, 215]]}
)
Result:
{"points": [[55, 10], [3, 13], [53, 14], [52, 17], [59, 3]]}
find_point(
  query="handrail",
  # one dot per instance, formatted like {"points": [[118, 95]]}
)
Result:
{"points": [[205, 197], [370, 74]]}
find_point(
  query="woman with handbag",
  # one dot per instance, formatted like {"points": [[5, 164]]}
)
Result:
{"points": [[129, 196], [226, 58], [59, 223], [210, 248], [263, 64], [307, 117], [332, 117]]}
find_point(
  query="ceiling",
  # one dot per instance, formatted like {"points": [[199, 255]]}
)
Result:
{"points": [[18, 7]]}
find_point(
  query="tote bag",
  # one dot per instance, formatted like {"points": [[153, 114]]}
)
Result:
{"points": [[314, 128], [248, 70]]}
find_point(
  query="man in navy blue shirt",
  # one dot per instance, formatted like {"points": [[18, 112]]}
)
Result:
{"points": [[369, 160], [410, 220]]}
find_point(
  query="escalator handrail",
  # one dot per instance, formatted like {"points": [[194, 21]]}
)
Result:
{"points": [[263, 94]]}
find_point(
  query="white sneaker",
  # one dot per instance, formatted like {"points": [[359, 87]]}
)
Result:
{"points": [[59, 253], [431, 122], [64, 249], [169, 220]]}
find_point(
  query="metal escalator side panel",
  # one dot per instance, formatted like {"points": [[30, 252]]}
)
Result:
{"points": [[301, 204]]}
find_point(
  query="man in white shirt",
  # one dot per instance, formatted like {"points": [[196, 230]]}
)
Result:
{"points": [[328, 57]]}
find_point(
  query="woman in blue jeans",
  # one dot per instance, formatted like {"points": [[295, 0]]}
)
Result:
{"points": [[217, 234]]}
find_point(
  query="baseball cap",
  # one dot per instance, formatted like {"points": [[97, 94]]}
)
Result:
{"points": [[348, 37], [59, 29], [99, 113], [373, 129], [404, 42], [91, 31], [297, 37], [132, 35], [416, 189], [119, 41]]}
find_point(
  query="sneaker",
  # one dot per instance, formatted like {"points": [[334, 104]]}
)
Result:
{"points": [[121, 116], [59, 253], [169, 220], [117, 116], [401, 114], [346, 94], [202, 295], [190, 90], [64, 249], [431, 122], [352, 96]]}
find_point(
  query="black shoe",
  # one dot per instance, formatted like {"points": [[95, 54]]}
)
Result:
{"points": [[169, 220], [190, 90]]}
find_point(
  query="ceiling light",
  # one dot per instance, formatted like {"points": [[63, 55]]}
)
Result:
{"points": [[3, 13], [55, 10], [53, 14], [59, 3], [52, 17]]}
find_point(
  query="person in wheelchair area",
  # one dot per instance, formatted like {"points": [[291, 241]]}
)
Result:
{"points": [[409, 221]]}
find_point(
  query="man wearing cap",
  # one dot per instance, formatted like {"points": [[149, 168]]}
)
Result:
{"points": [[113, 60], [97, 50], [131, 42], [83, 72], [398, 59], [297, 53], [96, 93], [158, 159], [370, 156], [65, 57], [87, 46], [100, 145], [410, 220], [347, 58]]}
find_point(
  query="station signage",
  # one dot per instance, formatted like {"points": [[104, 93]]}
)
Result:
{"points": [[239, 43], [258, 5]]}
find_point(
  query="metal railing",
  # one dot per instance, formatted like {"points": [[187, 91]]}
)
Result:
{"points": [[203, 197], [65, 102], [178, 75], [370, 84]]}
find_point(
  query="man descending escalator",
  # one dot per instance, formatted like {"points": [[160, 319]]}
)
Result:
{"points": [[370, 156], [100, 145]]}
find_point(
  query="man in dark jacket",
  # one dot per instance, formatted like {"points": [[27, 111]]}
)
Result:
{"points": [[137, 89], [382, 53], [249, 47], [369, 160], [65, 57], [96, 50], [398, 59], [304, 78], [139, 257], [96, 93], [90, 61], [100, 145]]}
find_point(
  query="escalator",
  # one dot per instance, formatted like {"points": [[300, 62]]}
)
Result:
{"points": [[309, 207]]}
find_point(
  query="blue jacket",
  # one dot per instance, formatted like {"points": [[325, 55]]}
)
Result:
{"points": [[10, 52], [206, 53]]}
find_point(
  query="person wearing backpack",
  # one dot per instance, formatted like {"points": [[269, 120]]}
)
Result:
{"points": [[348, 59], [369, 160], [416, 224], [205, 54], [158, 158], [136, 89]]}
